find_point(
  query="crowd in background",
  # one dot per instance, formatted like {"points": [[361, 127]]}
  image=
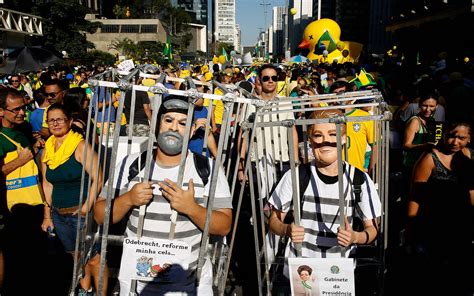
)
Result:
{"points": [[430, 147]]}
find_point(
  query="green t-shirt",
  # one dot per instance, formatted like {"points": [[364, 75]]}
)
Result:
{"points": [[17, 136]]}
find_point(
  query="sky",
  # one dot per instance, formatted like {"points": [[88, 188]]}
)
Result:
{"points": [[251, 18]]}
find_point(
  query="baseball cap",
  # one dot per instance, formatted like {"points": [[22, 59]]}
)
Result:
{"points": [[174, 103]]}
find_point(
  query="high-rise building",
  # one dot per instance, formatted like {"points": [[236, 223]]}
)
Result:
{"points": [[270, 40], [197, 9], [238, 39], [224, 21], [379, 38], [298, 22], [278, 31]]}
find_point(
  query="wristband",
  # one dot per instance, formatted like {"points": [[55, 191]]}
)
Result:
{"points": [[366, 237]]}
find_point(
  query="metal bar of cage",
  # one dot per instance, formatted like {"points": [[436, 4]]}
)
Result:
{"points": [[242, 102]]}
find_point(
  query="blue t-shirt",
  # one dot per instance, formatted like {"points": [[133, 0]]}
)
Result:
{"points": [[197, 141], [36, 119], [102, 94]]}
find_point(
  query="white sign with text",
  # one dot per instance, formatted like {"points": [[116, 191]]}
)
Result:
{"points": [[148, 259], [322, 276], [126, 65]]}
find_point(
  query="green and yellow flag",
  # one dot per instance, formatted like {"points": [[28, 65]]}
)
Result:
{"points": [[257, 50], [224, 53], [168, 50]]}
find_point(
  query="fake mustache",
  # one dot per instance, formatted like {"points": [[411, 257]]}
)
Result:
{"points": [[325, 144]]}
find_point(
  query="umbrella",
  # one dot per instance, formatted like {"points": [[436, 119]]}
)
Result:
{"points": [[28, 59], [298, 59]]}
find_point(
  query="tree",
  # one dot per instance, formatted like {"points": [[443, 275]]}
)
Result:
{"points": [[125, 46], [64, 26], [118, 11], [175, 19], [97, 57], [145, 51], [228, 48]]}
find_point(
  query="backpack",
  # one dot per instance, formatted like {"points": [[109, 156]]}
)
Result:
{"points": [[201, 163]]}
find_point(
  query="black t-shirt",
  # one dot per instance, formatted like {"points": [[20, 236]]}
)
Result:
{"points": [[141, 98]]}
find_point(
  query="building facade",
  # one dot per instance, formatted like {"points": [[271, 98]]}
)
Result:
{"points": [[224, 21], [238, 39], [298, 22], [197, 9], [278, 31]]}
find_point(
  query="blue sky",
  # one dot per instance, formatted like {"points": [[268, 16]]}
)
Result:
{"points": [[250, 17]]}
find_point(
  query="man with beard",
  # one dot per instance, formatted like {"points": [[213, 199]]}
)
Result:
{"points": [[161, 195]]}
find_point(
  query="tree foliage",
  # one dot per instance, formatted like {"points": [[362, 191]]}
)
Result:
{"points": [[97, 57], [64, 26], [227, 46], [175, 20], [145, 51]]}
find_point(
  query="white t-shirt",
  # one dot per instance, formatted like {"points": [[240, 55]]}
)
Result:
{"points": [[280, 133], [157, 218]]}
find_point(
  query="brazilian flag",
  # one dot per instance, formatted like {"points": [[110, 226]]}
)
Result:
{"points": [[224, 53], [328, 41], [168, 50]]}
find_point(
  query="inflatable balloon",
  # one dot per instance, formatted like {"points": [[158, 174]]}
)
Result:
{"points": [[215, 60], [323, 35], [293, 11], [222, 59]]}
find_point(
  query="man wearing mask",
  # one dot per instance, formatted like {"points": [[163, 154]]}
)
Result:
{"points": [[162, 195]]}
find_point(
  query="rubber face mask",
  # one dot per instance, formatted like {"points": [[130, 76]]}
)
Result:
{"points": [[170, 142]]}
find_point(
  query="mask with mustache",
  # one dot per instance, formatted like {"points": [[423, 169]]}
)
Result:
{"points": [[170, 142]]}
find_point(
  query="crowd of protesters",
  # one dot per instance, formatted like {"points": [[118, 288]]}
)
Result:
{"points": [[44, 123]]}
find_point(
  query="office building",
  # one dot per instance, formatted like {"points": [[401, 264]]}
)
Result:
{"points": [[224, 21]]}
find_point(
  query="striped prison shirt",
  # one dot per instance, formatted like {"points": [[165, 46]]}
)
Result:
{"points": [[320, 210], [157, 217]]}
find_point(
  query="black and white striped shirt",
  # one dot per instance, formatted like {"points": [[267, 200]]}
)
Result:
{"points": [[320, 211], [157, 217]]}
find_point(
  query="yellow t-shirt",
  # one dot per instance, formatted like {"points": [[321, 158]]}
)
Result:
{"points": [[218, 107], [45, 115], [359, 134], [123, 120], [281, 88]]}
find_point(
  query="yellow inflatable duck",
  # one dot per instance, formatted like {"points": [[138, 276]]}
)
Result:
{"points": [[322, 39], [321, 35]]}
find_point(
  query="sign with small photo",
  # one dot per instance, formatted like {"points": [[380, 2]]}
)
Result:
{"points": [[153, 259], [321, 276]]}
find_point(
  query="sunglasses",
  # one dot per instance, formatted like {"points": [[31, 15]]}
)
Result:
{"points": [[15, 80], [17, 109], [52, 94], [267, 78]]}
